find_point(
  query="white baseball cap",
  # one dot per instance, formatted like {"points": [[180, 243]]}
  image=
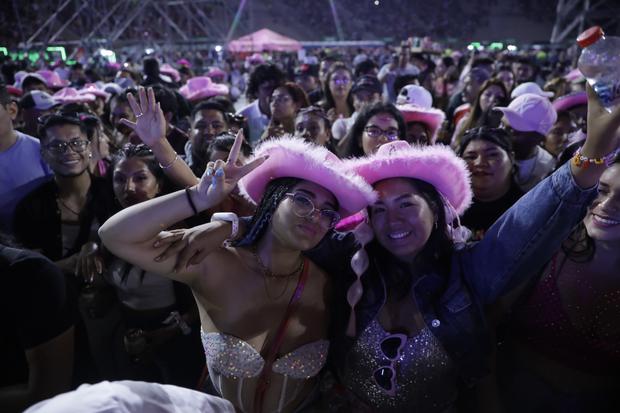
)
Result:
{"points": [[530, 113], [38, 100], [414, 95], [529, 87]]}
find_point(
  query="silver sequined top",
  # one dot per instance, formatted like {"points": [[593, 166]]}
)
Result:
{"points": [[426, 378], [233, 357]]}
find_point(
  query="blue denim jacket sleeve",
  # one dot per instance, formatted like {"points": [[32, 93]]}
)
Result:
{"points": [[526, 236]]}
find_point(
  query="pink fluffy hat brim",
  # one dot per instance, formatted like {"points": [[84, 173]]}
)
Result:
{"points": [[296, 158], [569, 101], [437, 164], [431, 117]]}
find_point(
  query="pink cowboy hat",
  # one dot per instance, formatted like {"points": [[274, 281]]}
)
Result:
{"points": [[201, 87], [91, 88], [415, 104], [215, 72], [71, 95], [296, 158], [438, 165], [170, 71], [431, 117], [52, 80], [569, 101]]}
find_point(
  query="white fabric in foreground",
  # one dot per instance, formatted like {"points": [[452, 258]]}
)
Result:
{"points": [[130, 397]]}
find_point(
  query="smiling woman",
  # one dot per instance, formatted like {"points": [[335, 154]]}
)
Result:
{"points": [[251, 303], [489, 157]]}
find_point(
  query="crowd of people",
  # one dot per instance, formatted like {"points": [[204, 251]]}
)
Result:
{"points": [[383, 229]]}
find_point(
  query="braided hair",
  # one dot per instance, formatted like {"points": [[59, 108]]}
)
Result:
{"points": [[274, 194]]}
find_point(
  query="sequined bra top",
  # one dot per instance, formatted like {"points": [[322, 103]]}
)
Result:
{"points": [[234, 358], [426, 377], [229, 356]]}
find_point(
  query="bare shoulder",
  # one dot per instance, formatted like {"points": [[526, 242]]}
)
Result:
{"points": [[222, 264]]}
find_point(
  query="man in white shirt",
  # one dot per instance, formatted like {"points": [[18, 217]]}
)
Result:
{"points": [[263, 80]]}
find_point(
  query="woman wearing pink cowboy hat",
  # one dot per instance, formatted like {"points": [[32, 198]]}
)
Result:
{"points": [[415, 335], [264, 340], [409, 331]]}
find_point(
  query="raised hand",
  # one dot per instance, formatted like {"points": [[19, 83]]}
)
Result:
{"points": [[150, 124], [220, 177]]}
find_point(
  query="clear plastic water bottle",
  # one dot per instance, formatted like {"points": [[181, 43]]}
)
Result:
{"points": [[600, 64]]}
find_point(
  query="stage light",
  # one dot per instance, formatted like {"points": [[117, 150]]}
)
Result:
{"points": [[149, 50], [376, 2], [511, 48], [218, 48], [58, 49]]}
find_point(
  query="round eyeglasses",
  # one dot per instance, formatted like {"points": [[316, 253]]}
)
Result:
{"points": [[303, 208]]}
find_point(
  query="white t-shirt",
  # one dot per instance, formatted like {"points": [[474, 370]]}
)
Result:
{"points": [[533, 170], [22, 169], [257, 121]]}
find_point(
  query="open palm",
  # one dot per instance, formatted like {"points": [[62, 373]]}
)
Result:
{"points": [[150, 124]]}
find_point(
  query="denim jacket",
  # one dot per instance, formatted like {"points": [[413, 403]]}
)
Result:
{"points": [[514, 249]]}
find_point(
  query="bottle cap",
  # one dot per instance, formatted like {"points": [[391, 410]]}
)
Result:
{"points": [[590, 36]]}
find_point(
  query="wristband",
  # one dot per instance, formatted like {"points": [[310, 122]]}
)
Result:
{"points": [[191, 201], [584, 162], [176, 157], [229, 217]]}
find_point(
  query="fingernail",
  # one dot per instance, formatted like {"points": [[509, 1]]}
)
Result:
{"points": [[158, 258], [219, 172], [213, 181], [209, 172]]}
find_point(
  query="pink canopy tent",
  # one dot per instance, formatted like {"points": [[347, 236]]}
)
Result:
{"points": [[264, 40]]}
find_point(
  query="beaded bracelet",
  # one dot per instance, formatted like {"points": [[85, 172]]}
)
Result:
{"points": [[584, 162], [176, 157], [191, 201]]}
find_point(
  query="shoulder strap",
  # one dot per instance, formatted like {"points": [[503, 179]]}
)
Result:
{"points": [[263, 381]]}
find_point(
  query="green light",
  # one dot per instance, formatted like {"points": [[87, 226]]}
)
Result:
{"points": [[4, 51], [59, 49], [34, 56], [70, 62], [496, 46]]}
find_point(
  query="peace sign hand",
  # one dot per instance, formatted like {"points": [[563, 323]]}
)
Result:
{"points": [[220, 177], [150, 124]]}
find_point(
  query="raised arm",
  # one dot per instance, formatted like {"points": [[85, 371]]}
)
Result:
{"points": [[153, 134], [532, 230], [131, 233]]}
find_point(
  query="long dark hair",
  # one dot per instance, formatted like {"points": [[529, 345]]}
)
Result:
{"points": [[329, 102], [274, 194], [480, 118], [145, 154], [579, 246], [435, 255], [351, 146]]}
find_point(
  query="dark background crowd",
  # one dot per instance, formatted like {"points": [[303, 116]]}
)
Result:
{"points": [[75, 313]]}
